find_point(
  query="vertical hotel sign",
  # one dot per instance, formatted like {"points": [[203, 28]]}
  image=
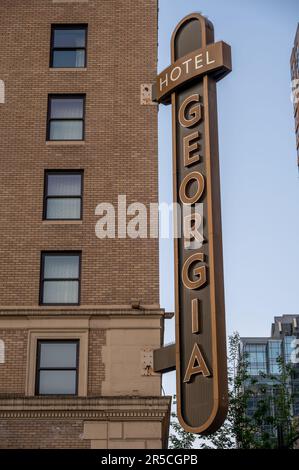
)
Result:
{"points": [[189, 84]]}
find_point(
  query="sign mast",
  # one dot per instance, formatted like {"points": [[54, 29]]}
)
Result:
{"points": [[189, 84]]}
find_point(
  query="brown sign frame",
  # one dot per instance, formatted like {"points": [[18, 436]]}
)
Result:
{"points": [[202, 393]]}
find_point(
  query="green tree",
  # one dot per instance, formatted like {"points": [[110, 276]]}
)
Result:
{"points": [[179, 438], [270, 424]]}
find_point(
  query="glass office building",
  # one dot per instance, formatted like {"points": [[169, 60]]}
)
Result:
{"points": [[262, 354]]}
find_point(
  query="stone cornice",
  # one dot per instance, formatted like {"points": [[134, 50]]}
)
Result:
{"points": [[84, 311], [104, 408]]}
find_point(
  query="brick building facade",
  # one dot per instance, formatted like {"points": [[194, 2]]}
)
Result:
{"points": [[79, 315]]}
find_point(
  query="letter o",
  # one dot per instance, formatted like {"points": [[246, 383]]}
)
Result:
{"points": [[172, 73], [195, 176], [201, 272]]}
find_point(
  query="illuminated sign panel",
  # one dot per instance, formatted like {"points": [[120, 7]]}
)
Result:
{"points": [[190, 85]]}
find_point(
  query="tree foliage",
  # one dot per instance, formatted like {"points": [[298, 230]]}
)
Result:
{"points": [[180, 439]]}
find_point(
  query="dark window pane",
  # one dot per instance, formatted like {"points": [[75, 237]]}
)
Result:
{"points": [[63, 209], [61, 267], [69, 59], [57, 382], [61, 292], [69, 37], [64, 185], [66, 130], [66, 108], [58, 355]]}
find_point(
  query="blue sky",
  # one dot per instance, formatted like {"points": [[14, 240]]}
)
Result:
{"points": [[259, 176]]}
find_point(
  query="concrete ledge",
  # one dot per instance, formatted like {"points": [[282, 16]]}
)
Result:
{"points": [[102, 408], [100, 310], [68, 69], [71, 143]]}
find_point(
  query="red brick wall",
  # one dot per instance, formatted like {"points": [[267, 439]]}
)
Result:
{"points": [[119, 155], [96, 368], [42, 434], [13, 371]]}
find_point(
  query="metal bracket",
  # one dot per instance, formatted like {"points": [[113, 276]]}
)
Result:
{"points": [[164, 359]]}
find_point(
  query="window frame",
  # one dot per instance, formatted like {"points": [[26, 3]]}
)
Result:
{"points": [[53, 48], [252, 350], [46, 196], [49, 119], [38, 369], [287, 341], [273, 365], [43, 279]]}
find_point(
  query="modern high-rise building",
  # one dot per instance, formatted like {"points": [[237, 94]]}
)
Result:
{"points": [[79, 315], [295, 85], [262, 354]]}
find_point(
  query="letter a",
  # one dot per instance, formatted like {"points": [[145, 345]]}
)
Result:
{"points": [[197, 365]]}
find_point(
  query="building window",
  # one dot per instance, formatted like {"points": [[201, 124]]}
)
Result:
{"points": [[57, 367], [68, 46], [256, 358], [288, 348], [60, 278], [274, 353], [63, 195], [66, 117]]}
